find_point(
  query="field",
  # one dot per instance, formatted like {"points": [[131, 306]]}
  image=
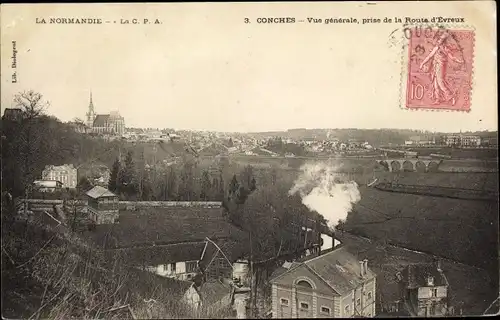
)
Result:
{"points": [[466, 180], [462, 230]]}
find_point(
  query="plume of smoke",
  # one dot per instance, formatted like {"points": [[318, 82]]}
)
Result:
{"points": [[325, 191]]}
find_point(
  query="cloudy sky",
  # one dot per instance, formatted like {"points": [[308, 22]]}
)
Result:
{"points": [[203, 68]]}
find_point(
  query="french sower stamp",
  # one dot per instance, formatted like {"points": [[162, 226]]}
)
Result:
{"points": [[439, 68]]}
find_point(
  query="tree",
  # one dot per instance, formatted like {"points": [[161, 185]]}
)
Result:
{"points": [[186, 188], [27, 136], [128, 182], [233, 186], [206, 186], [114, 178], [84, 184], [253, 185], [246, 177], [220, 192], [31, 104]]}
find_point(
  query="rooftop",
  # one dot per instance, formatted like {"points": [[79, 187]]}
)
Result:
{"points": [[101, 120], [416, 275], [161, 226], [338, 268], [98, 191], [161, 254], [213, 291]]}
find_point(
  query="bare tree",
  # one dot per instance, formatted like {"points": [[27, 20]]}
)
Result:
{"points": [[31, 103]]}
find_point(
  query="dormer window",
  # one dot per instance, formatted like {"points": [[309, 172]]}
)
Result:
{"points": [[430, 281]]}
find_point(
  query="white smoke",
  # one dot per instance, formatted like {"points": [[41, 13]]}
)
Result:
{"points": [[325, 191]]}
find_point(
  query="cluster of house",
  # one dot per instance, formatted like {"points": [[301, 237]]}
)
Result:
{"points": [[192, 248], [193, 245], [453, 140], [65, 176]]}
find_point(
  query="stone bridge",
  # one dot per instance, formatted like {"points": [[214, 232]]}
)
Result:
{"points": [[405, 164]]}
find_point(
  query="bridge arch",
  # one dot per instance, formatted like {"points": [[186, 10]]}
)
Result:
{"points": [[408, 166], [433, 166], [420, 166], [385, 164], [395, 166]]}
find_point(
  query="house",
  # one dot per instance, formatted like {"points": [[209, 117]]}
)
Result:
{"points": [[334, 284], [173, 239], [47, 185], [222, 260], [177, 260], [12, 114], [424, 289], [65, 173], [103, 206]]}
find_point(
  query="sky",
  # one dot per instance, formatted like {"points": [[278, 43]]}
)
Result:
{"points": [[203, 68]]}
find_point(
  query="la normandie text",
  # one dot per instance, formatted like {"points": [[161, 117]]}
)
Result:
{"points": [[94, 21]]}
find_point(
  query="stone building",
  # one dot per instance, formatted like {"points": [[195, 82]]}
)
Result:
{"points": [[65, 173], [103, 205], [425, 290], [112, 123], [331, 285]]}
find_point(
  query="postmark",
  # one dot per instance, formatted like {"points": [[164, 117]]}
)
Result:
{"points": [[438, 67]]}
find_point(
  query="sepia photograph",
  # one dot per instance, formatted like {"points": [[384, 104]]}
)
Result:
{"points": [[232, 160]]}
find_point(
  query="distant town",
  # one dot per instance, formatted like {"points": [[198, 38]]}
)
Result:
{"points": [[105, 220]]}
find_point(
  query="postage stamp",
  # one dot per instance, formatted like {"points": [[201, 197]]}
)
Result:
{"points": [[438, 65]]}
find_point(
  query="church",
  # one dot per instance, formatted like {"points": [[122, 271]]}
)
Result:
{"points": [[112, 123]]}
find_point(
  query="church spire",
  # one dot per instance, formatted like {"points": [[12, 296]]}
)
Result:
{"points": [[91, 104], [91, 112]]}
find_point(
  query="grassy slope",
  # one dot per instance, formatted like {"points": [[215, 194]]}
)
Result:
{"points": [[462, 230]]}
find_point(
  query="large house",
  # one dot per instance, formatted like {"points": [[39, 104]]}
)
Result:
{"points": [[66, 173], [331, 285], [425, 290]]}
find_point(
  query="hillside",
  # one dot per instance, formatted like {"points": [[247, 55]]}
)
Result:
{"points": [[461, 230]]}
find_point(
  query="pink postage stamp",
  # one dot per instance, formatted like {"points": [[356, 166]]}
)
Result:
{"points": [[439, 69]]}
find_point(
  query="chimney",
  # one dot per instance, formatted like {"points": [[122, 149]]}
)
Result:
{"points": [[365, 266], [439, 266], [430, 281], [361, 268]]}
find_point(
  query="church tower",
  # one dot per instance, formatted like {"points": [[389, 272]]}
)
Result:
{"points": [[91, 113]]}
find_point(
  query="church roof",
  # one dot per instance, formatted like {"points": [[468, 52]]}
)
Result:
{"points": [[101, 120]]}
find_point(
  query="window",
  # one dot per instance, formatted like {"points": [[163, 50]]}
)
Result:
{"points": [[358, 301], [347, 310], [434, 292], [304, 306], [172, 267], [325, 310], [191, 266], [304, 284], [284, 302]]}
